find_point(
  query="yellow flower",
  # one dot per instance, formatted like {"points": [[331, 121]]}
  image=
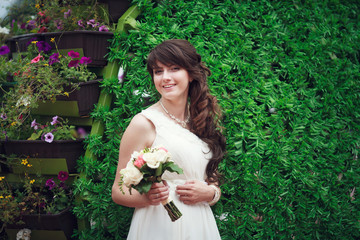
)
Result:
{"points": [[32, 181], [52, 39], [37, 6], [1, 197], [13, 123], [2, 178], [24, 162], [34, 42], [46, 64], [29, 165], [66, 94], [8, 196]]}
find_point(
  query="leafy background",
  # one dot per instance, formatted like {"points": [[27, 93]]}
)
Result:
{"points": [[286, 74]]}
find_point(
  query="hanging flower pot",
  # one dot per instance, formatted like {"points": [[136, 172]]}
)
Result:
{"points": [[65, 221], [52, 153], [80, 102], [93, 44]]}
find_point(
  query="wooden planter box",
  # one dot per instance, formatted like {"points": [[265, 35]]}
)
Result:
{"points": [[47, 158], [61, 224], [93, 44], [80, 102]]}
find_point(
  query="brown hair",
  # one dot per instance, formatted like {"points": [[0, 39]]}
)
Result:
{"points": [[204, 110]]}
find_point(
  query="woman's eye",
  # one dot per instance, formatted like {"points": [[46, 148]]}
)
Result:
{"points": [[175, 68], [157, 71]]}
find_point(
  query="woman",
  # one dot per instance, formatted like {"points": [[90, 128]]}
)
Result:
{"points": [[185, 122]]}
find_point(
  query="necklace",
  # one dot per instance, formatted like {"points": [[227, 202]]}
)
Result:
{"points": [[182, 123]]}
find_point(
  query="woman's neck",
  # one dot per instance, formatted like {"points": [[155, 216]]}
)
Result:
{"points": [[178, 109]]}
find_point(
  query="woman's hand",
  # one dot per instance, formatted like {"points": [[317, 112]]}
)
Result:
{"points": [[195, 191], [159, 192]]}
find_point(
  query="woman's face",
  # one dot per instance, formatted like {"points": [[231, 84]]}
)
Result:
{"points": [[172, 82]]}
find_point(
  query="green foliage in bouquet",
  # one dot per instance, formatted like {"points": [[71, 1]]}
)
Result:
{"points": [[286, 75]]}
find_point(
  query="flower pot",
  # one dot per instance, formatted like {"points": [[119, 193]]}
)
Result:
{"points": [[93, 44], [60, 155], [64, 221], [79, 103]]}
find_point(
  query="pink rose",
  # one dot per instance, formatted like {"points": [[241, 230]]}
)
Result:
{"points": [[164, 149], [139, 162]]}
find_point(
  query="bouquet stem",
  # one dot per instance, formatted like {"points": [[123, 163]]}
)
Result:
{"points": [[172, 210]]}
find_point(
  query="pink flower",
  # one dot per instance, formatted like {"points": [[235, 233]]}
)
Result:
{"points": [[73, 54], [85, 60], [3, 116], [37, 59], [162, 148], [139, 162], [49, 137], [63, 176], [73, 63]]}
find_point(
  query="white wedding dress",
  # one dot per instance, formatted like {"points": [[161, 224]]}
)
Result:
{"points": [[191, 154]]}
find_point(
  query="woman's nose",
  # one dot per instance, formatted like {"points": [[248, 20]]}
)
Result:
{"points": [[166, 75]]}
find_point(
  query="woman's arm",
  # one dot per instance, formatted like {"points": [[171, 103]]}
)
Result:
{"points": [[139, 134]]}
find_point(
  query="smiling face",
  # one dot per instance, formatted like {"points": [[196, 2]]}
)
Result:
{"points": [[172, 81]]}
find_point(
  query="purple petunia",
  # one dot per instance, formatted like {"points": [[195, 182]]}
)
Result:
{"points": [[73, 63], [92, 23], [3, 116], [103, 28], [59, 24], [55, 120], [73, 54], [63, 176], [4, 50], [67, 14], [50, 183], [81, 23], [35, 125], [31, 25], [43, 46], [54, 58], [85, 60], [49, 137]]}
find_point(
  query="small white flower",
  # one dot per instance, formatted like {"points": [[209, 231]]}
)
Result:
{"points": [[24, 100], [4, 30]]}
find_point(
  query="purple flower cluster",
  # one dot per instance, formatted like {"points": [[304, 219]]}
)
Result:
{"points": [[75, 62], [4, 50], [43, 46]]}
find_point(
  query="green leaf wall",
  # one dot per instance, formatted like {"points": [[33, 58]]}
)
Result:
{"points": [[286, 74]]}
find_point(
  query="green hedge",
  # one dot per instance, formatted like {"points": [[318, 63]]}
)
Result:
{"points": [[286, 74]]}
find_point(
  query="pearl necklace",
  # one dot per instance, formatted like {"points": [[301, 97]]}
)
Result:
{"points": [[182, 123]]}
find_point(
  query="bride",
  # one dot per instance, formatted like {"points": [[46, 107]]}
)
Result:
{"points": [[185, 122]]}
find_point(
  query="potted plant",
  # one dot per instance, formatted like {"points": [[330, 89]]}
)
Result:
{"points": [[42, 75], [79, 25], [54, 145], [37, 203]]}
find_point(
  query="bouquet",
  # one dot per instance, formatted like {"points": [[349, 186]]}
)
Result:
{"points": [[145, 168]]}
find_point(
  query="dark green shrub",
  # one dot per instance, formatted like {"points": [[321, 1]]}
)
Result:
{"points": [[286, 74]]}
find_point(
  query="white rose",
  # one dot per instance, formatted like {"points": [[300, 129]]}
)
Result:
{"points": [[131, 175], [154, 159]]}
